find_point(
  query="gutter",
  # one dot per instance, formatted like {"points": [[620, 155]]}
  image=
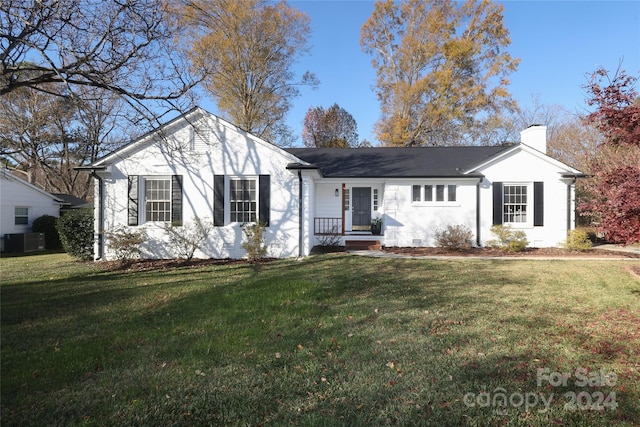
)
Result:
{"points": [[478, 221], [100, 230]]}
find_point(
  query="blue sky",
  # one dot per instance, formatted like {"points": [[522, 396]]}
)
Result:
{"points": [[558, 42]]}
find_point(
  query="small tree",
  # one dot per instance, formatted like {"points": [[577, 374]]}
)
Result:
{"points": [[126, 242], [333, 127], [47, 224], [76, 233], [255, 243], [186, 239]]}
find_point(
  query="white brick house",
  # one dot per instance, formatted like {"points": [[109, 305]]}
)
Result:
{"points": [[199, 165]]}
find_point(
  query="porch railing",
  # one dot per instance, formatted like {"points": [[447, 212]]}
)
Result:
{"points": [[327, 226]]}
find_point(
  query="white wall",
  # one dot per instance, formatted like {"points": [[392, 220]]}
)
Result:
{"points": [[521, 167], [220, 149], [15, 193], [408, 223]]}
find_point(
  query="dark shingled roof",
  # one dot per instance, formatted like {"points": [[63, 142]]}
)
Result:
{"points": [[410, 162]]}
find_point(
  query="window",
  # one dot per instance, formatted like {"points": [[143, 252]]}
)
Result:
{"points": [[21, 215], [416, 193], [157, 196], [154, 199], [443, 193], [428, 193], [242, 194], [375, 199], [515, 203], [451, 196], [346, 199]]}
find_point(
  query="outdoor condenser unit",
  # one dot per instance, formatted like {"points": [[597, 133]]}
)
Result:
{"points": [[24, 242]]}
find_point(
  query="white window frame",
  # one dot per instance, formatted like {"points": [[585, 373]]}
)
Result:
{"points": [[24, 217], [433, 187], [253, 214], [145, 209], [528, 204]]}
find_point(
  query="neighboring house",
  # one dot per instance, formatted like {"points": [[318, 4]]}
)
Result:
{"points": [[71, 202], [200, 166], [21, 203]]}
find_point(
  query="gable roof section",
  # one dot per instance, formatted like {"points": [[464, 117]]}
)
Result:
{"points": [[186, 118], [6, 174], [400, 162]]}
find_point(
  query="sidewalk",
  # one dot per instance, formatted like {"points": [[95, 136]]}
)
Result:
{"points": [[607, 247]]}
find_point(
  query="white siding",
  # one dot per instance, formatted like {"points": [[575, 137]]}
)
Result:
{"points": [[228, 152], [521, 167], [15, 193]]}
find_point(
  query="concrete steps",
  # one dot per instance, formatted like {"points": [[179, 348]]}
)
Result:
{"points": [[363, 245]]}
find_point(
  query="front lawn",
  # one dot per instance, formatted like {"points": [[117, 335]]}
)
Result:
{"points": [[329, 340]]}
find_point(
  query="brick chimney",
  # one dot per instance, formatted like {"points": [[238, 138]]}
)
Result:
{"points": [[535, 136]]}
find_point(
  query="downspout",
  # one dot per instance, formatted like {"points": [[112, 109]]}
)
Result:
{"points": [[478, 222], [100, 215], [571, 184], [300, 213]]}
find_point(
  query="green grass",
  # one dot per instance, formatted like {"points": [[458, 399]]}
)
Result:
{"points": [[330, 340]]}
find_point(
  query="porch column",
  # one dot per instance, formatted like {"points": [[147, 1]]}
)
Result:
{"points": [[344, 189]]}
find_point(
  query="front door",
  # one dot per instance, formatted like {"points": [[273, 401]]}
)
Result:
{"points": [[361, 208]]}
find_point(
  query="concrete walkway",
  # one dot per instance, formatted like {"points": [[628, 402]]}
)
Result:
{"points": [[607, 247]]}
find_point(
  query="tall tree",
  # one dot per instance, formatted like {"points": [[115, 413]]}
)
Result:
{"points": [[615, 185], [441, 67], [125, 47], [247, 49], [333, 127], [47, 136]]}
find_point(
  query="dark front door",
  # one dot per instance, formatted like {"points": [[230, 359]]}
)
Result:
{"points": [[361, 206]]}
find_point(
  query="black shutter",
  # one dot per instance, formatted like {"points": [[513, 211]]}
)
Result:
{"points": [[497, 203], [538, 204], [218, 200], [132, 200], [176, 200], [264, 193]]}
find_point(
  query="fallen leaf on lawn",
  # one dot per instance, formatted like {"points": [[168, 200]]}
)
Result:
{"points": [[300, 347], [278, 355], [390, 365]]}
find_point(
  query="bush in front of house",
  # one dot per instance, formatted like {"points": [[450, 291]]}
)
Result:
{"points": [[186, 239], [255, 244], [76, 233], [578, 240], [508, 239], [455, 237], [47, 224], [125, 242]]}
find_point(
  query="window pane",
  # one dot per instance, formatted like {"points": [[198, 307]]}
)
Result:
{"points": [[346, 199], [439, 193], [515, 203], [21, 215], [157, 199], [452, 193], [428, 193], [243, 204], [416, 193], [375, 199]]}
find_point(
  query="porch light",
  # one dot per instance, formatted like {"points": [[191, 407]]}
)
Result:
{"points": [[337, 192]]}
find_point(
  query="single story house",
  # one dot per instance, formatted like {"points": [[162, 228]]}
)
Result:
{"points": [[200, 166], [20, 203]]}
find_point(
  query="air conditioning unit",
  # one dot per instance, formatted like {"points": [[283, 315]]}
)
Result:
{"points": [[24, 242]]}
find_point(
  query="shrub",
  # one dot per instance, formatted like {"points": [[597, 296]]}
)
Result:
{"points": [[186, 239], [76, 233], [47, 224], [457, 237], [578, 240], [126, 242], [255, 243], [508, 239]]}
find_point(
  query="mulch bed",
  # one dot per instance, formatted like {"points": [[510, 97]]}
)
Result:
{"points": [[168, 264], [529, 252]]}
